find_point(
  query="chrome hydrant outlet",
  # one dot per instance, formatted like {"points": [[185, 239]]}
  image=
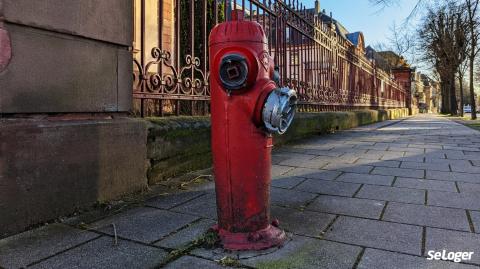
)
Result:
{"points": [[279, 110]]}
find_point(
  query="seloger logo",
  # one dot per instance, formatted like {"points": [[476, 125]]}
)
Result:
{"points": [[449, 256]]}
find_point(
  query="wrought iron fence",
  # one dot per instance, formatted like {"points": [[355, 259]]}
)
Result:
{"points": [[328, 71]]}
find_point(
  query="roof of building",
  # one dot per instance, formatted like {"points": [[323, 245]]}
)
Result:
{"points": [[372, 54], [341, 30], [394, 59], [354, 37]]}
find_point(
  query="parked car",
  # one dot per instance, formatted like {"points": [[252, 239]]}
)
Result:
{"points": [[467, 109], [423, 108]]}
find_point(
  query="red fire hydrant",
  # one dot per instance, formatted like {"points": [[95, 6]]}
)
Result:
{"points": [[246, 107]]}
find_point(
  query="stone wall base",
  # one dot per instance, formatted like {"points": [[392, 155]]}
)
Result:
{"points": [[52, 167], [179, 145]]}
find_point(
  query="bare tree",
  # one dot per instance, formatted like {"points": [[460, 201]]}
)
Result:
{"points": [[419, 5], [402, 42], [471, 7], [443, 40]]}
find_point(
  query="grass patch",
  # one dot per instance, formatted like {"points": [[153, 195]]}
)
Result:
{"points": [[475, 126], [299, 259], [208, 240], [230, 262]]}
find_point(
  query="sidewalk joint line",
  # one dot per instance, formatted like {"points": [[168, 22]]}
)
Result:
{"points": [[457, 187], [64, 250], [357, 191], [394, 181], [177, 230], [359, 258], [424, 239], [426, 197], [470, 221], [329, 225], [383, 211]]}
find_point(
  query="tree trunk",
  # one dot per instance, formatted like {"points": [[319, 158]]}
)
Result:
{"points": [[442, 90], [453, 95], [445, 96], [460, 82], [472, 90]]}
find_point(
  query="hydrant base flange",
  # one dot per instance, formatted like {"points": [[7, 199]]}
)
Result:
{"points": [[258, 240]]}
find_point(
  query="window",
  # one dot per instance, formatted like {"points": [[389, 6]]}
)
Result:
{"points": [[294, 58]]}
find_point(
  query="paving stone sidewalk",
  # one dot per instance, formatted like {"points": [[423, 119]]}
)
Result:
{"points": [[379, 196]]}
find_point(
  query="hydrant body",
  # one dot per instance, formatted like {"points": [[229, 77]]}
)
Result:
{"points": [[241, 82]]}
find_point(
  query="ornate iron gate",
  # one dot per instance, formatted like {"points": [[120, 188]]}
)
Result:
{"points": [[328, 71]]}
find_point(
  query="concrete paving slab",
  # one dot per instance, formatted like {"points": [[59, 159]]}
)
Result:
{"points": [[342, 159], [425, 146], [378, 234], [132, 224], [103, 254], [453, 241], [313, 173], [328, 187], [392, 156], [428, 166], [194, 262], [468, 187], [390, 163], [283, 152], [347, 206], [407, 149], [287, 182], [465, 168], [295, 159], [427, 216], [303, 222], [313, 164], [465, 200], [290, 198], [34, 245], [431, 156], [303, 253], [417, 158], [425, 184], [400, 172], [393, 194], [204, 206], [368, 155], [186, 235], [171, 200], [447, 161], [366, 179], [374, 258], [453, 176], [279, 170], [350, 168]]}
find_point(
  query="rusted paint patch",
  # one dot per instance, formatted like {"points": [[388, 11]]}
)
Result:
{"points": [[5, 49]]}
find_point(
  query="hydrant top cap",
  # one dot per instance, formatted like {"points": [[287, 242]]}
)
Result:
{"points": [[238, 30]]}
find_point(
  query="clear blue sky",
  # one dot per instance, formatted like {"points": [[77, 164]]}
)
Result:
{"points": [[360, 15]]}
